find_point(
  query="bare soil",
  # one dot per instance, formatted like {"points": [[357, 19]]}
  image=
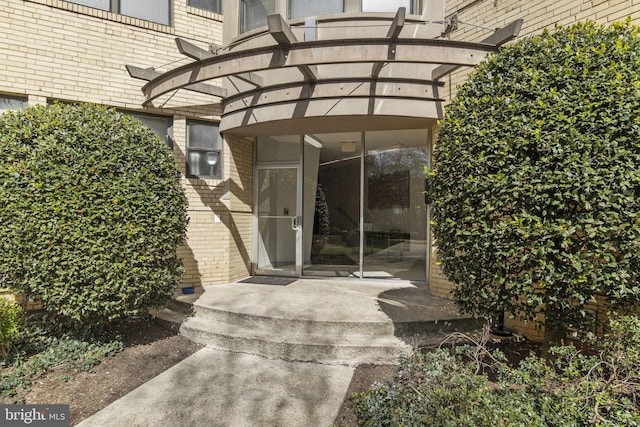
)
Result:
{"points": [[151, 348]]}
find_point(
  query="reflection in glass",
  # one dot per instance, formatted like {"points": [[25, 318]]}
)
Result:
{"points": [[160, 125], [306, 8], [98, 4], [386, 5], [210, 5], [254, 13], [149, 10], [395, 213], [332, 204], [10, 103]]}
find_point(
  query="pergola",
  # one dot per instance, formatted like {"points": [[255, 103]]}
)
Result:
{"points": [[310, 94]]}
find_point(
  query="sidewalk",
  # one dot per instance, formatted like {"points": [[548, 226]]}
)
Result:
{"points": [[218, 388]]}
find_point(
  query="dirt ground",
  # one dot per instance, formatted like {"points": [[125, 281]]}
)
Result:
{"points": [[151, 348]]}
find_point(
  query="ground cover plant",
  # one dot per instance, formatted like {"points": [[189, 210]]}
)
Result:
{"points": [[92, 211], [40, 345], [536, 180], [470, 385]]}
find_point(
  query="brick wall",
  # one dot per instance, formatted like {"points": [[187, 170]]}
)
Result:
{"points": [[478, 18], [54, 49]]}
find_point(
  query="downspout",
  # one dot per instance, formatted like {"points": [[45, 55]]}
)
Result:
{"points": [[362, 178]]}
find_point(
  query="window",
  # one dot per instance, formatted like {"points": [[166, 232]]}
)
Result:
{"points": [[160, 125], [204, 150], [387, 5], [150, 10], [214, 6], [11, 103], [253, 13], [305, 8], [98, 4]]}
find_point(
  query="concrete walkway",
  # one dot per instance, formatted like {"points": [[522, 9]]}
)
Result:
{"points": [[218, 388], [254, 384]]}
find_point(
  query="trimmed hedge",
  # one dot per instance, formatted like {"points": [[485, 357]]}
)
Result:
{"points": [[91, 211], [536, 185]]}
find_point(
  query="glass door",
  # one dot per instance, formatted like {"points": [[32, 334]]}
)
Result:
{"points": [[278, 221]]}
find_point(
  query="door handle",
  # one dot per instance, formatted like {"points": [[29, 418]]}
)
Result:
{"points": [[294, 223]]}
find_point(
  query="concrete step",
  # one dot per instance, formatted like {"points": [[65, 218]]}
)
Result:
{"points": [[322, 321], [279, 325], [345, 349]]}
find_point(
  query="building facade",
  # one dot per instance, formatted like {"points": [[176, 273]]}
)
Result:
{"points": [[302, 128]]}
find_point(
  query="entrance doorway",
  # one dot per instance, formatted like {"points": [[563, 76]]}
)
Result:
{"points": [[360, 205], [277, 219]]}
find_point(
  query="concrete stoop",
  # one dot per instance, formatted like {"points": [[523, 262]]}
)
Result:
{"points": [[348, 328], [317, 346]]}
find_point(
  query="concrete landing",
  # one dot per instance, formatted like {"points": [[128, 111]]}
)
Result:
{"points": [[345, 322]]}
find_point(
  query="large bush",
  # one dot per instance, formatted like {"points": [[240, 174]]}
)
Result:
{"points": [[536, 185], [91, 211]]}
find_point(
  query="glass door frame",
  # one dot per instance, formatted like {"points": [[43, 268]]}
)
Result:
{"points": [[298, 222]]}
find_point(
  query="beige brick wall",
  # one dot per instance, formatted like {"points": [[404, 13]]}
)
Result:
{"points": [[478, 18], [54, 49], [439, 286]]}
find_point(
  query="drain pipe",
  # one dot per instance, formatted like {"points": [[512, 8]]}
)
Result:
{"points": [[361, 225]]}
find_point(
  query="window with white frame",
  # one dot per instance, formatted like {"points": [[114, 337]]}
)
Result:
{"points": [[160, 125], [214, 6], [11, 103], [305, 8], [204, 150], [158, 11]]}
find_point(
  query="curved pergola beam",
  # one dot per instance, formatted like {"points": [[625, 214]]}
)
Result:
{"points": [[423, 51], [335, 89], [330, 115]]}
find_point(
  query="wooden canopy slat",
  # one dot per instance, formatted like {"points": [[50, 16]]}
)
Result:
{"points": [[498, 38], [426, 51], [149, 74], [394, 31], [282, 34]]}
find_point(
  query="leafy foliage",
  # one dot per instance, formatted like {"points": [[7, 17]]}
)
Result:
{"points": [[11, 316], [44, 345], [536, 186], [91, 211], [451, 388]]}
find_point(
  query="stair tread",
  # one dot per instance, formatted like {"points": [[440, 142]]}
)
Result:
{"points": [[301, 337]]}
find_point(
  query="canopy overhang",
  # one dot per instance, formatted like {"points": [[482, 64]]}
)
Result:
{"points": [[315, 94]]}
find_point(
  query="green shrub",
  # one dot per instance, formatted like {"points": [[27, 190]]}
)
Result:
{"points": [[11, 316], [444, 388], [536, 186], [91, 211]]}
